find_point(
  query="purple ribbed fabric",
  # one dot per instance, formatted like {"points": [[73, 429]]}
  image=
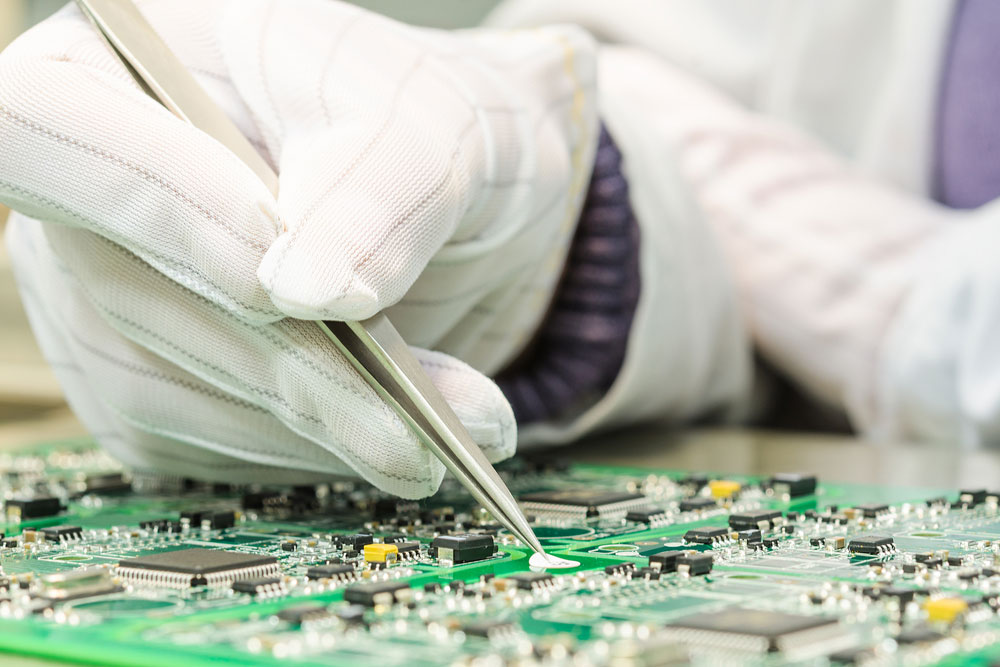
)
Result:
{"points": [[580, 346], [967, 169]]}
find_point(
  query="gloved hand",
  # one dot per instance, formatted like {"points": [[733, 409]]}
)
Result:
{"points": [[435, 174]]}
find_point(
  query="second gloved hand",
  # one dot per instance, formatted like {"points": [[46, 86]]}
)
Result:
{"points": [[437, 175]]}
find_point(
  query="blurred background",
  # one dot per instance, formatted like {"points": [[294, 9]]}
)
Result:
{"points": [[31, 405]]}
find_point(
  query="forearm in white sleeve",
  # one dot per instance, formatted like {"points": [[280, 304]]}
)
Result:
{"points": [[870, 298]]}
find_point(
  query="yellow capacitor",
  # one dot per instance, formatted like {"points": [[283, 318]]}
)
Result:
{"points": [[723, 488], [945, 609], [381, 553]]}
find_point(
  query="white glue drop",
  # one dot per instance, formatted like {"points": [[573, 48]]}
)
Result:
{"points": [[542, 561]]}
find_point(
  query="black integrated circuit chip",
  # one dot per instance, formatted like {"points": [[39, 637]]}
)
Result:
{"points": [[529, 580], [303, 613], [751, 630], [706, 535], [751, 520], [259, 586], [694, 504], [872, 510], [330, 571], [62, 533], [873, 545], [382, 592], [197, 567], [590, 502], [643, 514]]}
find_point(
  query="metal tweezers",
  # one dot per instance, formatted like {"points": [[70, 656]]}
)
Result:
{"points": [[374, 347]]}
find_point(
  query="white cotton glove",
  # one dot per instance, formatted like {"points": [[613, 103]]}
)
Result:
{"points": [[438, 175]]}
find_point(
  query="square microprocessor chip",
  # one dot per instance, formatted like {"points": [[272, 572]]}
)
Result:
{"points": [[583, 503], [197, 567], [752, 630]]}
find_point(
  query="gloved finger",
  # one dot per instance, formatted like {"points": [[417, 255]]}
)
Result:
{"points": [[84, 146], [477, 401], [288, 370], [378, 152]]}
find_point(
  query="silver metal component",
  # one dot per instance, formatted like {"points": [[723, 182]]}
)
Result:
{"points": [[374, 347]]}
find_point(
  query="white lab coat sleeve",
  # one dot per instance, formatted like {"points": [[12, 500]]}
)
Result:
{"points": [[871, 298], [688, 353], [939, 379]]}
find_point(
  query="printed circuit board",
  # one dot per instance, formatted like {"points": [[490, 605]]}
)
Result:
{"points": [[104, 566]]}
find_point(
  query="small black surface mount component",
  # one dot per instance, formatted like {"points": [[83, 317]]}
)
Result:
{"points": [[21, 509], [62, 533], [793, 485], [487, 628], [197, 567], [582, 503], [619, 568], [755, 519], [260, 587], [337, 572], [872, 510], [753, 631], [694, 563], [707, 536], [873, 545], [377, 593], [665, 561], [108, 484], [408, 550], [462, 548], [697, 504], [646, 515], [971, 497], [527, 581], [303, 613]]}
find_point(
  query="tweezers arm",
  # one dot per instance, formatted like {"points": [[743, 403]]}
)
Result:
{"points": [[377, 351]]}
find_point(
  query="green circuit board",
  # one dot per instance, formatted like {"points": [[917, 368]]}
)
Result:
{"points": [[103, 566]]}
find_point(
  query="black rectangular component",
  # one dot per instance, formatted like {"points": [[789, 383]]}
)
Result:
{"points": [[665, 561], [748, 520], [752, 629], [108, 484], [697, 563], [33, 508], [371, 594], [197, 567], [872, 510], [705, 535], [692, 504], [329, 571], [486, 628], [358, 542], [972, 497], [221, 520], [303, 613], [58, 533], [463, 548], [643, 514], [408, 549], [528, 580], [794, 484], [591, 501], [256, 586], [871, 545]]}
